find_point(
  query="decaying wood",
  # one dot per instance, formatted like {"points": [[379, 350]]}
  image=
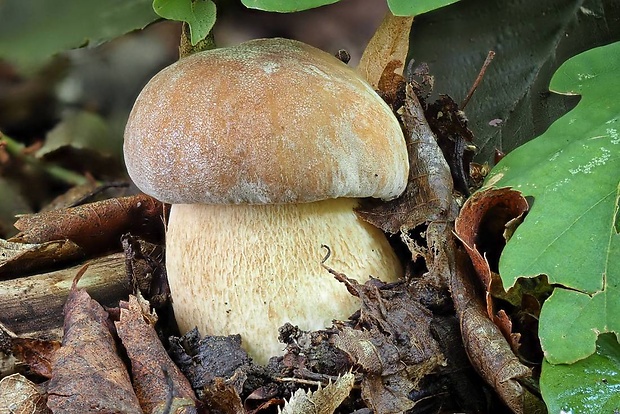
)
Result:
{"points": [[32, 306]]}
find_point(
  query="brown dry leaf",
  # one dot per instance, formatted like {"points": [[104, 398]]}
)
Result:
{"points": [[488, 350], [146, 270], [481, 227], [155, 377], [32, 306], [428, 196], [18, 395], [223, 395], [449, 125], [395, 349], [95, 227], [37, 354], [87, 368], [324, 400], [19, 259], [481, 224], [390, 43]]}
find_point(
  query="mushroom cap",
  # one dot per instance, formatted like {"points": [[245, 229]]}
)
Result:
{"points": [[268, 121]]}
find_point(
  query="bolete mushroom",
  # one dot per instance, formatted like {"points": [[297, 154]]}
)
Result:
{"points": [[264, 150]]}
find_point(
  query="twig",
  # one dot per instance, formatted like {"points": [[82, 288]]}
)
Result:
{"points": [[483, 69], [16, 150]]}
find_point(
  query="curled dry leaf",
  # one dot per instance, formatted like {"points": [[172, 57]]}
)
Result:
{"points": [[95, 227], [488, 350], [87, 366], [481, 227], [428, 196], [390, 43], [324, 400], [18, 395], [19, 259], [481, 224], [156, 378]]}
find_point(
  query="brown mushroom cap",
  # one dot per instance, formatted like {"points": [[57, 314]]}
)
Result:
{"points": [[268, 121]]}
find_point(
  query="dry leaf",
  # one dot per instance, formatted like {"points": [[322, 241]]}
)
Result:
{"points": [[390, 43], [449, 125], [428, 196], [323, 400], [481, 225], [488, 350], [37, 354], [18, 395], [146, 270], [87, 368], [395, 349], [155, 377], [19, 259], [223, 395], [95, 227]]}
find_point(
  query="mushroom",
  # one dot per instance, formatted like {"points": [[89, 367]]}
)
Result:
{"points": [[264, 150]]}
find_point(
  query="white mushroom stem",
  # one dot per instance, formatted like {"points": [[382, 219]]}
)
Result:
{"points": [[248, 269]]}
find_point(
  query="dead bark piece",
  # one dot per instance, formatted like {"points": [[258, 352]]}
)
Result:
{"points": [[202, 360], [324, 400], [20, 259], [88, 376], [156, 378], [18, 395], [428, 196], [390, 43], [95, 227], [488, 350], [32, 306]]}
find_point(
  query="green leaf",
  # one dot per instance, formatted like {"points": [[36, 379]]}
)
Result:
{"points": [[199, 14], [588, 386], [531, 39], [32, 31], [573, 173], [416, 7], [285, 6]]}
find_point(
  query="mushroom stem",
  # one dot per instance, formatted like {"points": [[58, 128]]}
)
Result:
{"points": [[248, 269]]}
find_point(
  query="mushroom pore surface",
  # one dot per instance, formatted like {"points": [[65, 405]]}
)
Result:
{"points": [[250, 269]]}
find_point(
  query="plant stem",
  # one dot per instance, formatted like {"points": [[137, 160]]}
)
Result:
{"points": [[186, 48], [16, 150]]}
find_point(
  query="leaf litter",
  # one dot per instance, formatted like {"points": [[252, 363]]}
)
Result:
{"points": [[392, 344], [87, 367]]}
